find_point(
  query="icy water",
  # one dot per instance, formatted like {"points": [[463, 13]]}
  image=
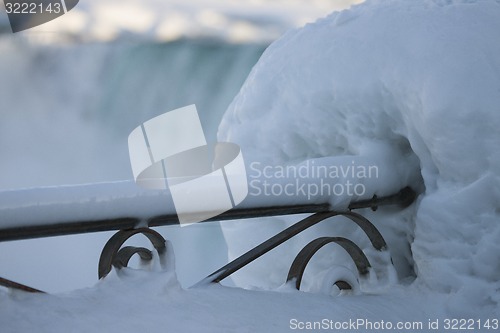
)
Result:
{"points": [[66, 110]]}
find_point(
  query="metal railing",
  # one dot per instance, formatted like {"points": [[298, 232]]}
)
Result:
{"points": [[115, 255]]}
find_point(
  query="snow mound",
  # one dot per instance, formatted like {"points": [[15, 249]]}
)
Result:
{"points": [[417, 82]]}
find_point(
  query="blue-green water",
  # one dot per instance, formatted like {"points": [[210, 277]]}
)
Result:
{"points": [[66, 110]]}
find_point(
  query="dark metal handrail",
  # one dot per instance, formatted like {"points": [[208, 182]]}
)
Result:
{"points": [[403, 198], [114, 255]]}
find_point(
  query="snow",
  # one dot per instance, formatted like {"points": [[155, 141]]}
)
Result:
{"points": [[152, 301], [300, 184], [411, 87], [47, 205], [414, 82]]}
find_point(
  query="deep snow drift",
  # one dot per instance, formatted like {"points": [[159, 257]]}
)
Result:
{"points": [[417, 82]]}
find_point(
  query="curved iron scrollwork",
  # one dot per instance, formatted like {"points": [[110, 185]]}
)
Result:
{"points": [[123, 256], [369, 229], [302, 259], [114, 255]]}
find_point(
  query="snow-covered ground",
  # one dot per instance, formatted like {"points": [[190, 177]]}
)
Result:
{"points": [[410, 87], [153, 302]]}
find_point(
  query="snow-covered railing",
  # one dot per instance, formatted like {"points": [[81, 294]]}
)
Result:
{"points": [[129, 221], [17, 229]]}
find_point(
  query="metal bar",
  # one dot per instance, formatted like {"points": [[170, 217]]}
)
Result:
{"points": [[66, 228], [247, 213], [126, 253], [112, 247], [300, 262], [404, 197], [373, 234], [14, 285], [81, 227]]}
